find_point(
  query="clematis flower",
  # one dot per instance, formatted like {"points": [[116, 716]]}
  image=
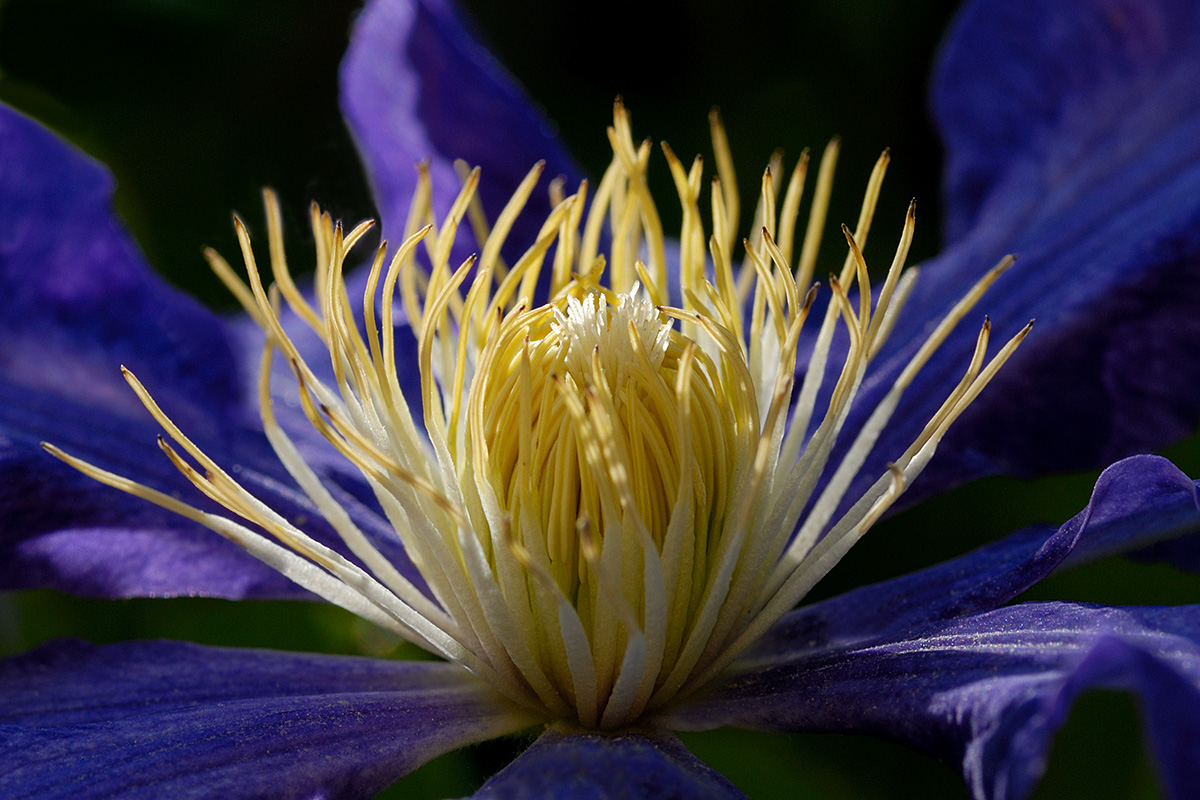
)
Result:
{"points": [[1062, 147]]}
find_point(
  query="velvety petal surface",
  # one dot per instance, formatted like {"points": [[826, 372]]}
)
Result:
{"points": [[1073, 141], [988, 691], [80, 302], [593, 767], [417, 85], [169, 719]]}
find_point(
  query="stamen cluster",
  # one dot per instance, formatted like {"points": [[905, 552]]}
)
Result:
{"points": [[609, 494]]}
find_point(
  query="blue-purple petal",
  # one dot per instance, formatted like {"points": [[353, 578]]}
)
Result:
{"points": [[78, 296], [986, 691], [1073, 140], [1010, 75], [1137, 502], [79, 303], [417, 85], [641, 766], [60, 529], [932, 660], [169, 719]]}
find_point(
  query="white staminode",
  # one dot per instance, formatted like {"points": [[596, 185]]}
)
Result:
{"points": [[587, 324], [606, 496]]}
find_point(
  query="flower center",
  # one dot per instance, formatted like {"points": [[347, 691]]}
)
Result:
{"points": [[585, 425], [608, 497]]}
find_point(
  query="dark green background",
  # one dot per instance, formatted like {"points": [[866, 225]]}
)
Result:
{"points": [[197, 104]]}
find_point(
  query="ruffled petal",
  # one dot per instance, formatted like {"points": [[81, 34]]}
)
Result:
{"points": [[625, 767], [417, 85], [1136, 502], [168, 719], [986, 691], [1073, 138]]}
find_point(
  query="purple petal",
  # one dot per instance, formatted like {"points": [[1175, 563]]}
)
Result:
{"points": [[1139, 502], [78, 297], [1136, 502], [594, 766], [1183, 553], [1073, 137], [926, 659], [986, 691], [79, 303], [62, 530], [1012, 75], [417, 85], [168, 719]]}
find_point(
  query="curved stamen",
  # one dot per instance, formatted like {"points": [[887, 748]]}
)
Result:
{"points": [[605, 498]]}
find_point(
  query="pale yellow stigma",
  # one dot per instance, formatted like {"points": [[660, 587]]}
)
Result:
{"points": [[614, 490]]}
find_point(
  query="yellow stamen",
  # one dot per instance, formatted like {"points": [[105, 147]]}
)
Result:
{"points": [[605, 498]]}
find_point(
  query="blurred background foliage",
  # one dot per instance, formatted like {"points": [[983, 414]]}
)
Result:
{"points": [[197, 104]]}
